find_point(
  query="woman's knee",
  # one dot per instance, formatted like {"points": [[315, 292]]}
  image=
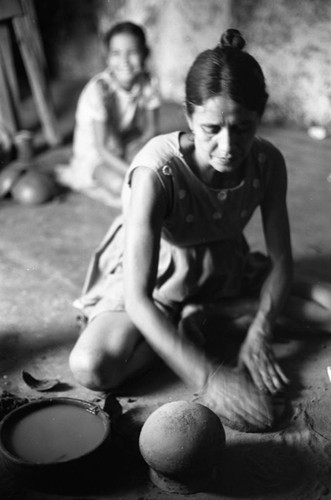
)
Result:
{"points": [[98, 372], [85, 368], [99, 358]]}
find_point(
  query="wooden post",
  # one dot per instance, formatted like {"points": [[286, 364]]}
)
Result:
{"points": [[31, 19], [36, 77], [8, 82]]}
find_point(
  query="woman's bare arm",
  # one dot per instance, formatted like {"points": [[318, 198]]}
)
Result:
{"points": [[256, 352], [143, 233]]}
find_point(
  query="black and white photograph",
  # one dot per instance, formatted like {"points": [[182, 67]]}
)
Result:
{"points": [[165, 249]]}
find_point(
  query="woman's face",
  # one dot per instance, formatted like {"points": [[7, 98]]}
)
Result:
{"points": [[125, 59], [223, 133]]}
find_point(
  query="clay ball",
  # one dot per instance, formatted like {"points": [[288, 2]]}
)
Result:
{"points": [[182, 438]]}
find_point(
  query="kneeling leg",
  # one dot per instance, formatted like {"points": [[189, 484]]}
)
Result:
{"points": [[109, 351]]}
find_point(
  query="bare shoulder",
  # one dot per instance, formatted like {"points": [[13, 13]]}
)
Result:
{"points": [[146, 195], [148, 176], [157, 152], [144, 179]]}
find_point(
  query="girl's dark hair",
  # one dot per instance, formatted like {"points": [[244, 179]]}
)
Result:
{"points": [[227, 70], [130, 29]]}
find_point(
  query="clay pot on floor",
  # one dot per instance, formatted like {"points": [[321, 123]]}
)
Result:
{"points": [[34, 188], [26, 184]]}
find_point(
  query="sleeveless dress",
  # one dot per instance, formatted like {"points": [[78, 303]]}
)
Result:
{"points": [[124, 115], [204, 256]]}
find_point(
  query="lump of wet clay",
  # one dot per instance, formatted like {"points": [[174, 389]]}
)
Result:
{"points": [[182, 443]]}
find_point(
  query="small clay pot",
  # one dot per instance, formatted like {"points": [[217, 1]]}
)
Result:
{"points": [[182, 443], [9, 176], [24, 145], [34, 188]]}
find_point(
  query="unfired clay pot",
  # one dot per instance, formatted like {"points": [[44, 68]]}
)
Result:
{"points": [[34, 188], [182, 442]]}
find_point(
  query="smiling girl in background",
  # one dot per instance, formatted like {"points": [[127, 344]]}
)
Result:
{"points": [[117, 113], [178, 252]]}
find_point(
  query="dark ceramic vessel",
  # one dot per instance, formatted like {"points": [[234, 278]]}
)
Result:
{"points": [[66, 473]]}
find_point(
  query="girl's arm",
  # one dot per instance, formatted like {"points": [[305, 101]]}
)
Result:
{"points": [[152, 124], [111, 158], [114, 158], [256, 353], [143, 232], [151, 130]]}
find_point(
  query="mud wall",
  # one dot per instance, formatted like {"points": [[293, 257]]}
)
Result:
{"points": [[290, 38]]}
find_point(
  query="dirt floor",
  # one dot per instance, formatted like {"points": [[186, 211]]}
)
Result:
{"points": [[44, 253]]}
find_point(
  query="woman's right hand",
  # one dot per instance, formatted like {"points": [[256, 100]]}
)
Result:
{"points": [[232, 396]]}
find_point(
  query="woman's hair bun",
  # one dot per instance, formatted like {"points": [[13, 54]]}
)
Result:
{"points": [[232, 38]]}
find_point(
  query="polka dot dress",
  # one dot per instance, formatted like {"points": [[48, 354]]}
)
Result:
{"points": [[204, 255]]}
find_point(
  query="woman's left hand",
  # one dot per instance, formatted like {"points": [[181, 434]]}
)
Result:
{"points": [[256, 354]]}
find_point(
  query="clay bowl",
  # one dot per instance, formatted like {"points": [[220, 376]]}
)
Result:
{"points": [[183, 443], [56, 441]]}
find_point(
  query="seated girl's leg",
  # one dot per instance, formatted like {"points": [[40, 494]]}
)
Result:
{"points": [[109, 351]]}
